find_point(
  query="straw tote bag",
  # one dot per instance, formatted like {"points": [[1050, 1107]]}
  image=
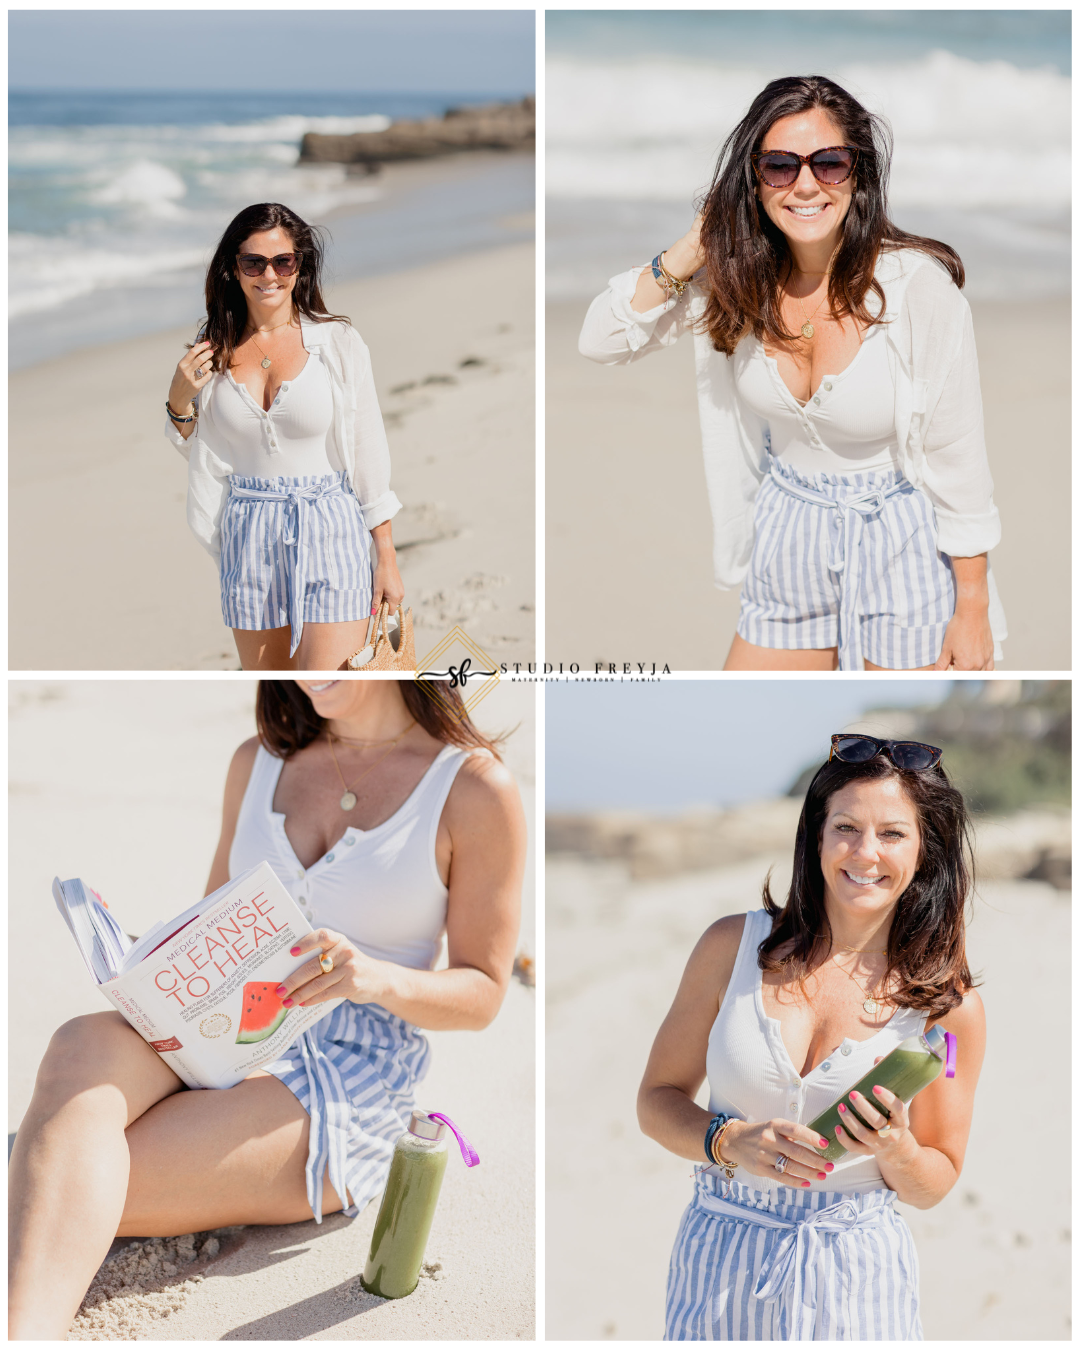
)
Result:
{"points": [[392, 647]]}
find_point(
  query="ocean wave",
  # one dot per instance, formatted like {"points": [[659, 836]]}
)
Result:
{"points": [[973, 134], [44, 273]]}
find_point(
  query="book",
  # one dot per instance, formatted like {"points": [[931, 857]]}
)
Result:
{"points": [[199, 988]]}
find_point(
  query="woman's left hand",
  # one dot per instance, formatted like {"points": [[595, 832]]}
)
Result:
{"points": [[870, 1142], [968, 643], [354, 976]]}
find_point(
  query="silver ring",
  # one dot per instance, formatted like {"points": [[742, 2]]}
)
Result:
{"points": [[781, 1162], [198, 373], [885, 1132]]}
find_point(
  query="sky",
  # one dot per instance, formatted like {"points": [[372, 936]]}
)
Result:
{"points": [[469, 51], [685, 743]]}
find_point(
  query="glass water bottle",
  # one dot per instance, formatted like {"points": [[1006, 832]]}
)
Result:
{"points": [[913, 1065]]}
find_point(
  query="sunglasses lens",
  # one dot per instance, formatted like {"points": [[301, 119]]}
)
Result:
{"points": [[251, 265], [831, 166], [855, 749], [778, 170], [285, 264], [908, 755]]}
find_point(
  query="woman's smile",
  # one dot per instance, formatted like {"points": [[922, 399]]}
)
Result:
{"points": [[870, 844]]}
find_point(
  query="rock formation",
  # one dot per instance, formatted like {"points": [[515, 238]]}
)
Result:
{"points": [[492, 126]]}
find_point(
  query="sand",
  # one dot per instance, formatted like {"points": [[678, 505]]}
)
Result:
{"points": [[105, 574], [629, 571], [106, 777], [995, 1255]]}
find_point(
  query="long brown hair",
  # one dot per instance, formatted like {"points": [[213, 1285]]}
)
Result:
{"points": [[747, 257], [926, 953], [287, 720], [226, 307]]}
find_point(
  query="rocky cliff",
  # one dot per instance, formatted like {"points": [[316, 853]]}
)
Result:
{"points": [[492, 126]]}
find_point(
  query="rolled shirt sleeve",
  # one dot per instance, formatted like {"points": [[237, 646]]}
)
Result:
{"points": [[615, 334], [371, 454]]}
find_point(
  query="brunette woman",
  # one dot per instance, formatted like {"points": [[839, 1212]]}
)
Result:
{"points": [[391, 821], [838, 390], [274, 408], [783, 1011]]}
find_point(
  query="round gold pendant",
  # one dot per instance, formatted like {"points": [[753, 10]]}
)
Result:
{"points": [[348, 801], [808, 330], [266, 359], [868, 1004]]}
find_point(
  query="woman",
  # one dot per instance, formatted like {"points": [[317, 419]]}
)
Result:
{"points": [[274, 409], [426, 836], [783, 1010], [839, 398]]}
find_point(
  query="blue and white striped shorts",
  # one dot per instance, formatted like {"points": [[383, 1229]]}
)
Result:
{"points": [[294, 551], [791, 1265], [354, 1074], [848, 561]]}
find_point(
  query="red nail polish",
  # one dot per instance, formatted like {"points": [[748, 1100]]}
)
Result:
{"points": [[281, 991], [841, 1107], [851, 1096], [806, 1183], [824, 1143], [286, 1002], [821, 1176], [294, 951], [828, 1167]]}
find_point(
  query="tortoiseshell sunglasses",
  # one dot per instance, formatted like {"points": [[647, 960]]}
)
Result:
{"points": [[855, 749]]}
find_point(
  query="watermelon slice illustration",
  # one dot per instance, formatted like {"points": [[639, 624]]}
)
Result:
{"points": [[262, 1012]]}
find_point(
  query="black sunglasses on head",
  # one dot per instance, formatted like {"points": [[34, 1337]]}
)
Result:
{"points": [[856, 749]]}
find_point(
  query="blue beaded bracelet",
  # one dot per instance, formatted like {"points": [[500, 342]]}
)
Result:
{"points": [[714, 1125]]}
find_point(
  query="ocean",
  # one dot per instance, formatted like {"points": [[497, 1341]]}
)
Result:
{"points": [[639, 102], [116, 201]]}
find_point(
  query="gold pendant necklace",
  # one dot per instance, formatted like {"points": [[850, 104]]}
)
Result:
{"points": [[266, 362], [348, 798], [807, 329], [870, 1004]]}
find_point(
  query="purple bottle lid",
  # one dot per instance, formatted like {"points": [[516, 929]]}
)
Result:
{"points": [[950, 1055]]}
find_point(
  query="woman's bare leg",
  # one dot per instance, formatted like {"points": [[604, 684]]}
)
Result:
{"points": [[327, 646], [69, 1167], [111, 1147], [746, 656], [264, 648]]}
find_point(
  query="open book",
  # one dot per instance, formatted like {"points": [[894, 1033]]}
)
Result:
{"points": [[200, 988]]}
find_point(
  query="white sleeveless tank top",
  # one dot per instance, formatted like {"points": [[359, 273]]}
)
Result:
{"points": [[381, 888], [751, 1074]]}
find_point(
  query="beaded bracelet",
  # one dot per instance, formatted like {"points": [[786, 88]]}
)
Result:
{"points": [[182, 421], [663, 277]]}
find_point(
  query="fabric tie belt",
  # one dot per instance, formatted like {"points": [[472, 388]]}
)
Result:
{"points": [[297, 523], [851, 513], [798, 1253]]}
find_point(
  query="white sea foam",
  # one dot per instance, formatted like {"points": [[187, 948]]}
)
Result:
{"points": [[970, 135]]}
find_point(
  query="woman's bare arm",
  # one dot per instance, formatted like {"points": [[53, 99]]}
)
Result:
{"points": [[667, 1111], [235, 786]]}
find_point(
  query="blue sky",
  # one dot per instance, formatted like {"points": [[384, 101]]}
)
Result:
{"points": [[402, 51], [684, 743]]}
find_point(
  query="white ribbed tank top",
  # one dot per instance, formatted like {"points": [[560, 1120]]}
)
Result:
{"points": [[381, 888], [287, 440], [751, 1074]]}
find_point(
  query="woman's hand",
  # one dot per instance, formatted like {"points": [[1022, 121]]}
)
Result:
{"points": [[355, 976], [386, 581], [756, 1144], [682, 260], [886, 1110], [185, 382], [968, 643]]}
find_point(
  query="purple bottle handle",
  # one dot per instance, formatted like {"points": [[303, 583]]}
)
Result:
{"points": [[950, 1055], [467, 1151]]}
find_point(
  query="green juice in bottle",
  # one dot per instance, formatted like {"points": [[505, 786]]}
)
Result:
{"points": [[913, 1065], [408, 1204]]}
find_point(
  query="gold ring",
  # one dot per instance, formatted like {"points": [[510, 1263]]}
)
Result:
{"points": [[326, 963], [885, 1132]]}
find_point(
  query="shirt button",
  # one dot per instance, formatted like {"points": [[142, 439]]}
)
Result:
{"points": [[816, 399], [300, 873], [793, 1107], [796, 1082], [828, 388], [845, 1049], [329, 857], [826, 1065], [276, 402], [349, 841]]}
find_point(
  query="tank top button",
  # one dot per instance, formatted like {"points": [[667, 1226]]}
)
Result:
{"points": [[793, 1107], [845, 1049], [826, 1065], [349, 840], [329, 857], [828, 388]]}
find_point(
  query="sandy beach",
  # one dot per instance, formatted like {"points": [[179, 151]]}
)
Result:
{"points": [[83, 803], [104, 573], [642, 559], [995, 1259]]}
